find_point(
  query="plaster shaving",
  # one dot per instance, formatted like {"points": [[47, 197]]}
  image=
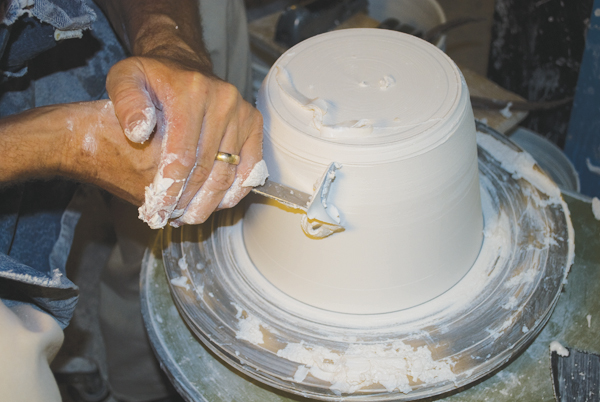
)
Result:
{"points": [[506, 111], [182, 263], [320, 109], [322, 218], [182, 282], [520, 164], [596, 208], [353, 315], [320, 207], [390, 124], [392, 365], [249, 327], [318, 229], [592, 168], [396, 365]]}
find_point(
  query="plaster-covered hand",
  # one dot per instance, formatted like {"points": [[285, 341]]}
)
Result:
{"points": [[82, 141], [168, 84], [98, 152], [197, 115]]}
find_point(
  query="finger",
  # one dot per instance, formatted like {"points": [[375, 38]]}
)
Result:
{"points": [[181, 126], [215, 189], [221, 176], [208, 197], [250, 155], [219, 133], [127, 88], [176, 163]]}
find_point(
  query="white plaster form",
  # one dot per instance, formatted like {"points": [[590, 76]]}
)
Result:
{"points": [[395, 112]]}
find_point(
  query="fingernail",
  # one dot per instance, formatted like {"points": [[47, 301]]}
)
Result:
{"points": [[141, 126]]}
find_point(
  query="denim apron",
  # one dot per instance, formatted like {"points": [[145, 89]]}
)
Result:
{"points": [[51, 51]]}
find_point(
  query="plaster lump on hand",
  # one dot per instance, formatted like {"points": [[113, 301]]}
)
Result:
{"points": [[257, 176]]}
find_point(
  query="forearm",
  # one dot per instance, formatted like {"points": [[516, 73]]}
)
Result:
{"points": [[159, 28], [80, 141], [33, 143]]}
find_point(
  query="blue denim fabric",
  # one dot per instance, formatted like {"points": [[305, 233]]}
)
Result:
{"points": [[62, 14], [38, 219], [35, 236]]}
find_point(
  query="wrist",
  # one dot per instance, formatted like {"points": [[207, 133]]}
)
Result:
{"points": [[99, 153], [33, 144], [162, 38]]}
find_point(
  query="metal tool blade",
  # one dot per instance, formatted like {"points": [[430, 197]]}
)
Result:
{"points": [[316, 206], [283, 194]]}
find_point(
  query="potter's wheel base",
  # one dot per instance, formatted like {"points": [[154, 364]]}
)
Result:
{"points": [[472, 329]]}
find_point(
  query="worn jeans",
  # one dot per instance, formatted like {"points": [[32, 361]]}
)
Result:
{"points": [[35, 239]]}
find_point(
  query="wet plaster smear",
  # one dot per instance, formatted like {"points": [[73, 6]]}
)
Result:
{"points": [[394, 111]]}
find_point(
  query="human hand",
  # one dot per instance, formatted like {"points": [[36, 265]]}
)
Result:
{"points": [[98, 153], [81, 141], [196, 115]]}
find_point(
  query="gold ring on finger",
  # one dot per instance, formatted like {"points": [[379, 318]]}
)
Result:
{"points": [[228, 158]]}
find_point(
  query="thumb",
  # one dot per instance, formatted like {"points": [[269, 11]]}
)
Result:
{"points": [[127, 89]]}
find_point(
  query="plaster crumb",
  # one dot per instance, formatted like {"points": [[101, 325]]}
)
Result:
{"points": [[318, 229], [596, 208], [506, 111], [555, 346], [360, 366], [181, 282], [182, 264], [249, 327]]}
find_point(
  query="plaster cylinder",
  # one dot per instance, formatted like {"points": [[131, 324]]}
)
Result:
{"points": [[394, 111]]}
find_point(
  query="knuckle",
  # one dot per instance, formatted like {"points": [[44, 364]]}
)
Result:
{"points": [[187, 159], [222, 180], [201, 173]]}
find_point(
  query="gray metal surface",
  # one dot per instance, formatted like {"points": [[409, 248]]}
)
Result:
{"points": [[287, 196], [202, 376], [479, 340]]}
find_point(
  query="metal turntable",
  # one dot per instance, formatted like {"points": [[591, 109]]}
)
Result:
{"points": [[485, 320]]}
